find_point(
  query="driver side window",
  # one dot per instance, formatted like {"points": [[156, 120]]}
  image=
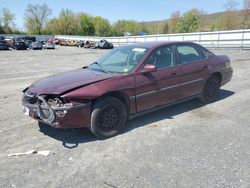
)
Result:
{"points": [[162, 58]]}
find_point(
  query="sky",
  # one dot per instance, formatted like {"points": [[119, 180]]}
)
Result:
{"points": [[113, 10]]}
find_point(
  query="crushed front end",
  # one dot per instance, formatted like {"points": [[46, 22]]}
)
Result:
{"points": [[56, 111]]}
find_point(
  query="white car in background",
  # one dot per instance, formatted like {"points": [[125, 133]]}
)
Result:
{"points": [[49, 45]]}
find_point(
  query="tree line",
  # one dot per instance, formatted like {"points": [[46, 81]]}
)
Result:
{"points": [[38, 21]]}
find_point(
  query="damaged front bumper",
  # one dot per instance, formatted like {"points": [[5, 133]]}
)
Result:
{"points": [[70, 115]]}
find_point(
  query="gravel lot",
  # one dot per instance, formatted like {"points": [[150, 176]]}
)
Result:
{"points": [[187, 145]]}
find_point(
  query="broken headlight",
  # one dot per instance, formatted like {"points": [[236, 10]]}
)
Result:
{"points": [[55, 102]]}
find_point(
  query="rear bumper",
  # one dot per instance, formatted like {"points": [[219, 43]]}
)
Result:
{"points": [[71, 115]]}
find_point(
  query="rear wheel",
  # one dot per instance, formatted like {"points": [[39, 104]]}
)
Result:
{"points": [[108, 117], [211, 90]]}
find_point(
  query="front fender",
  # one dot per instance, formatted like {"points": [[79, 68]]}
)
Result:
{"points": [[124, 84]]}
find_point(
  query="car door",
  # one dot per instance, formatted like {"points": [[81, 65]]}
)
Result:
{"points": [[193, 69], [159, 87]]}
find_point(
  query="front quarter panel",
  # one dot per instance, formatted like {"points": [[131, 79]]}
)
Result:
{"points": [[123, 83]]}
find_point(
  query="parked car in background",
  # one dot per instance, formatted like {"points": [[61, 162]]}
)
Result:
{"points": [[54, 40], [28, 43], [127, 82], [9, 41], [19, 45], [49, 45], [36, 46], [104, 44], [42, 42], [80, 44], [51, 40], [89, 44], [4, 45]]}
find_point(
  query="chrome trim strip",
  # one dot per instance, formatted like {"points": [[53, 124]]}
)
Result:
{"points": [[185, 83], [170, 87], [144, 94], [166, 88]]}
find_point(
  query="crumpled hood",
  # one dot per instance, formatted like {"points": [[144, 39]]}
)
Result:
{"points": [[60, 83]]}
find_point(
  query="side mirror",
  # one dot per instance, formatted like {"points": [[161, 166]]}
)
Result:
{"points": [[148, 68]]}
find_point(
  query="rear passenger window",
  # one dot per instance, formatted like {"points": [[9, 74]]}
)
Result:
{"points": [[188, 54]]}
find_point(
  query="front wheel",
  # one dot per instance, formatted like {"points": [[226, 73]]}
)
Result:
{"points": [[108, 117], [211, 90]]}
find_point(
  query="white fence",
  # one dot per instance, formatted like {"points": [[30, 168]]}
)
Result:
{"points": [[217, 39]]}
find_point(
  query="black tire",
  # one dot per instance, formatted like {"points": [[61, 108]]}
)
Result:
{"points": [[108, 117], [211, 90]]}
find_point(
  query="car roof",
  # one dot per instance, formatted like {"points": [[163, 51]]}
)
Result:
{"points": [[157, 43]]}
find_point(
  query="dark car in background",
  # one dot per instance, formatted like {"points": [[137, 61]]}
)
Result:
{"points": [[4, 45], [19, 45], [28, 43], [36, 46], [127, 82], [104, 44]]}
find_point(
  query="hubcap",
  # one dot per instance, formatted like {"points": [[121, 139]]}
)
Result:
{"points": [[109, 118]]}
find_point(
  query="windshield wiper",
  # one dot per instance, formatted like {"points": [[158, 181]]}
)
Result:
{"points": [[101, 68]]}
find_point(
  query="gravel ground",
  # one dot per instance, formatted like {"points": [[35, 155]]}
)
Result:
{"points": [[187, 145]]}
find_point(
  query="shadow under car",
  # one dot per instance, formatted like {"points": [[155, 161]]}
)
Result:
{"points": [[71, 138]]}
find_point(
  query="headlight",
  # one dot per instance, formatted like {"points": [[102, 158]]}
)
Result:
{"points": [[228, 65], [55, 102]]}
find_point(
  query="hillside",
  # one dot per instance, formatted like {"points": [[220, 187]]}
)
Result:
{"points": [[209, 23]]}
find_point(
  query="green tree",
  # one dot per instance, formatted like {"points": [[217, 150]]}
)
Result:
{"points": [[1, 29], [120, 27], [7, 21], [173, 20], [85, 25], [228, 19], [102, 26], [36, 17], [52, 27], [165, 28], [66, 22], [129, 26], [132, 27], [189, 22], [143, 27], [245, 13]]}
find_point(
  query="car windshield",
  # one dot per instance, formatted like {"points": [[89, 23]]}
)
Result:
{"points": [[120, 60]]}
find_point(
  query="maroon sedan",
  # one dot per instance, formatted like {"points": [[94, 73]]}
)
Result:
{"points": [[127, 82]]}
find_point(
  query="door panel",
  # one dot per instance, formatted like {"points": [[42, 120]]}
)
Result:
{"points": [[147, 89], [193, 69], [159, 87], [192, 78], [169, 80]]}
